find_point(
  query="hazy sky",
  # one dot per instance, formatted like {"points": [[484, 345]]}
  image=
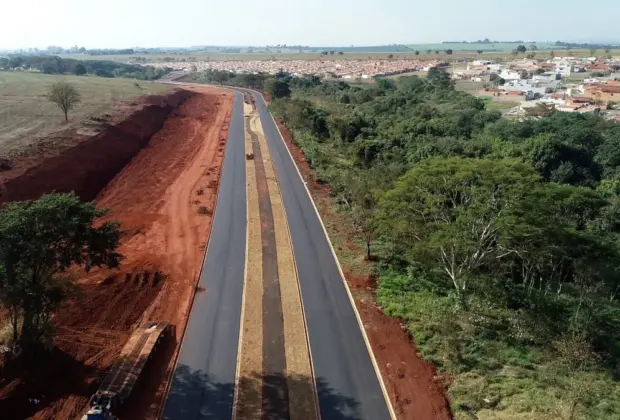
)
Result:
{"points": [[176, 23]]}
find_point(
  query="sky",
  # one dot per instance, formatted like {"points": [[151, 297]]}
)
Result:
{"points": [[183, 23]]}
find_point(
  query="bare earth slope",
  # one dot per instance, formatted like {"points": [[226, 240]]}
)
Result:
{"points": [[164, 199]]}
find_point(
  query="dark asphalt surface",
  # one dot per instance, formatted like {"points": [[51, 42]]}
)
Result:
{"points": [[203, 382], [347, 384]]}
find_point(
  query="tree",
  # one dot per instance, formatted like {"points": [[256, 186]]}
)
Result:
{"points": [[437, 52], [65, 95], [417, 52], [592, 52], [79, 69], [514, 53], [390, 56], [278, 88], [479, 52], [531, 55], [552, 54], [533, 47], [439, 78], [449, 51], [340, 53], [521, 49], [429, 51], [456, 212], [39, 241]]}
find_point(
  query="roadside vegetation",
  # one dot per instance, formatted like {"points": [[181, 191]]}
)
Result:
{"points": [[39, 242], [495, 241]]}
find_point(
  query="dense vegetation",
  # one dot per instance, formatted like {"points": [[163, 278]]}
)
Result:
{"points": [[496, 241], [55, 65], [39, 241], [249, 80]]}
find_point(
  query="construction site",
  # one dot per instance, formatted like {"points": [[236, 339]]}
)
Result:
{"points": [[157, 169]]}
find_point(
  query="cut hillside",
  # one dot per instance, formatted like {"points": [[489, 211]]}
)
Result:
{"points": [[29, 123]]}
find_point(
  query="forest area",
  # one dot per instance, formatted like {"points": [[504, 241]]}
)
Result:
{"points": [[495, 241], [50, 64]]}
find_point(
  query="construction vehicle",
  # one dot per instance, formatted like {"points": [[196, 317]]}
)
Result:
{"points": [[124, 374]]}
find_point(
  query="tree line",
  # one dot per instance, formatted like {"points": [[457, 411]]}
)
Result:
{"points": [[102, 68], [497, 241]]}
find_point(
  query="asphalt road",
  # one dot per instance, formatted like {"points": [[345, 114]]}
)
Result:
{"points": [[203, 382], [347, 383]]}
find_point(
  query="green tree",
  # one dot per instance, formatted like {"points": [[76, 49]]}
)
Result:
{"points": [[521, 49], [79, 69], [449, 51], [439, 78], [533, 47], [65, 95], [39, 241], [456, 212], [479, 52], [278, 88], [417, 52], [429, 51], [437, 52]]}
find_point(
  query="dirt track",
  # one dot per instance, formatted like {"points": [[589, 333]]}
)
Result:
{"points": [[164, 199]]}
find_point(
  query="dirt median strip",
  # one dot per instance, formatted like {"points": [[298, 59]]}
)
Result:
{"points": [[248, 397], [300, 381]]}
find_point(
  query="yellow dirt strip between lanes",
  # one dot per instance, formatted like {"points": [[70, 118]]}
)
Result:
{"points": [[303, 400], [248, 390]]}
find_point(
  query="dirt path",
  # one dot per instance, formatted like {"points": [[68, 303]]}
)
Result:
{"points": [[164, 199]]}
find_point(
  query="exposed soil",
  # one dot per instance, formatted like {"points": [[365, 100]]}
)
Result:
{"points": [[157, 198], [415, 389], [86, 164]]}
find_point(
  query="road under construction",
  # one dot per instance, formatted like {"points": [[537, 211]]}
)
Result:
{"points": [[276, 334]]}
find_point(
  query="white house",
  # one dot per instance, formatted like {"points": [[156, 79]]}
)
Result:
{"points": [[563, 67], [544, 78], [508, 74]]}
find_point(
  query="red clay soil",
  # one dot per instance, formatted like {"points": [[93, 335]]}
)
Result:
{"points": [[86, 164], [156, 197], [415, 389]]}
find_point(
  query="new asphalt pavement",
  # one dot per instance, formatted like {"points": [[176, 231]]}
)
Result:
{"points": [[203, 382]]}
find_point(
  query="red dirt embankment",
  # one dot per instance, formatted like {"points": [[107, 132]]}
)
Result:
{"points": [[158, 198], [90, 164], [415, 390]]}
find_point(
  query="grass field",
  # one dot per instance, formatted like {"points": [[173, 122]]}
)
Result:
{"points": [[26, 116]]}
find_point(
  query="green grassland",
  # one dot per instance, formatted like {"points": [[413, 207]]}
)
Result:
{"points": [[26, 117]]}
